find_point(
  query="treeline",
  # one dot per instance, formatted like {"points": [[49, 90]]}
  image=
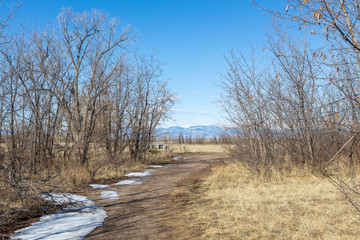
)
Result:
{"points": [[74, 93], [197, 139], [297, 101]]}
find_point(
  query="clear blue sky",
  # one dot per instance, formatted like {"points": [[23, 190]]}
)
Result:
{"points": [[191, 37]]}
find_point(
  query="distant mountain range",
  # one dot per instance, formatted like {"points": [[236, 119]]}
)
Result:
{"points": [[208, 132]]}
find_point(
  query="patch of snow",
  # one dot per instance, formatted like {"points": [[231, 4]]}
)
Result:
{"points": [[176, 159], [65, 225], [146, 173], [129, 182], [109, 195], [156, 166], [98, 186]]}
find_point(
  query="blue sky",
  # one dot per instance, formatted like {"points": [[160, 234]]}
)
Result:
{"points": [[191, 38]]}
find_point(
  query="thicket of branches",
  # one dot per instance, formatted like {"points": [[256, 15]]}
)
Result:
{"points": [[302, 106], [71, 94]]}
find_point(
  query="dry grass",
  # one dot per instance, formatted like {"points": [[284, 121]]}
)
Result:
{"points": [[197, 148], [70, 176], [73, 176], [235, 204]]}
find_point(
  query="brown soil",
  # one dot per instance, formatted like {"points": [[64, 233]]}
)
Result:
{"points": [[154, 209]]}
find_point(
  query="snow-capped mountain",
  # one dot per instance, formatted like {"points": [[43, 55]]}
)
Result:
{"points": [[208, 132]]}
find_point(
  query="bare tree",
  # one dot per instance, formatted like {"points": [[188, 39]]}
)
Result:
{"points": [[335, 20], [91, 48], [115, 120], [150, 102], [245, 102]]}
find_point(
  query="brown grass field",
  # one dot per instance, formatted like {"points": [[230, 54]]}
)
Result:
{"points": [[198, 148], [185, 148], [234, 204]]}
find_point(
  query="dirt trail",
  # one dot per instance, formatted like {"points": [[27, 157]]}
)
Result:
{"points": [[147, 211]]}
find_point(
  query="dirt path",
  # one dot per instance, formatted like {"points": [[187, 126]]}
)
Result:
{"points": [[147, 211]]}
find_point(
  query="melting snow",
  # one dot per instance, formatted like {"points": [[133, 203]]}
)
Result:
{"points": [[155, 166], [65, 225], [176, 158], [109, 195], [129, 182], [146, 173], [98, 186]]}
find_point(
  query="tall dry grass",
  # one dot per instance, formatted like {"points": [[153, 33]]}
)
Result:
{"points": [[235, 204], [72, 176], [197, 148]]}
